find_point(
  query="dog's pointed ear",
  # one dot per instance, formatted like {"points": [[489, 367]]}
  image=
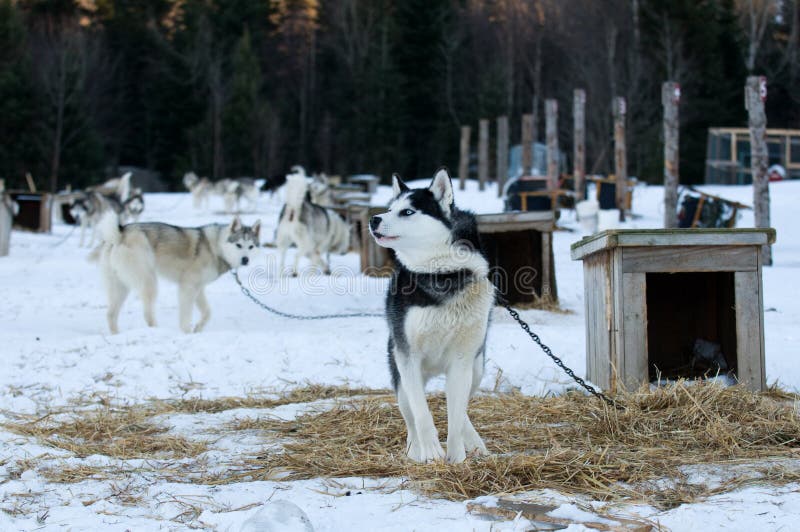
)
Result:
{"points": [[398, 187], [256, 229], [236, 224], [442, 189]]}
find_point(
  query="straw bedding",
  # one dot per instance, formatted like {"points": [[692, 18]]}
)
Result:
{"points": [[571, 443]]}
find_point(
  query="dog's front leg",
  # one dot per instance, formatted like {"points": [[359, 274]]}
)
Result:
{"points": [[413, 386], [459, 383], [187, 294]]}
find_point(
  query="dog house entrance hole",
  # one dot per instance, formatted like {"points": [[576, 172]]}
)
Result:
{"points": [[684, 307]]}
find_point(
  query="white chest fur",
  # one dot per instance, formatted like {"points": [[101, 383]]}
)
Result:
{"points": [[454, 328]]}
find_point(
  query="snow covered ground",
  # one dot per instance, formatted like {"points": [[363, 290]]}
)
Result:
{"points": [[55, 349]]}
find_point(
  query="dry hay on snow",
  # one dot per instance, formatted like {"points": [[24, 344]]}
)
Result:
{"points": [[572, 443]]}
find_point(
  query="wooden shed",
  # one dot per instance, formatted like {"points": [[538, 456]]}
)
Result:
{"points": [[517, 244], [651, 294]]}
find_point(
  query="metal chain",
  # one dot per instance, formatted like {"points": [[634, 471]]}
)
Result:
{"points": [[514, 314], [558, 361], [277, 312]]}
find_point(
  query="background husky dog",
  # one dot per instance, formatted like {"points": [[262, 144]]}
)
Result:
{"points": [[89, 208], [234, 190], [315, 230], [132, 256], [438, 311], [200, 189], [133, 207]]}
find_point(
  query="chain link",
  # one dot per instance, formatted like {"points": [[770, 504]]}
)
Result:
{"points": [[525, 327], [277, 312]]}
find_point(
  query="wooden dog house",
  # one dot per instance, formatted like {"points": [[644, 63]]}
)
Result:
{"points": [[650, 294], [34, 210]]}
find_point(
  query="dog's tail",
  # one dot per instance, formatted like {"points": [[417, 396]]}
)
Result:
{"points": [[109, 229]]}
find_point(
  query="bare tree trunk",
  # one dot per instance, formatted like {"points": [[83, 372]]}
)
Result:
{"points": [[217, 97], [755, 95], [670, 97], [502, 153], [463, 160], [483, 152], [620, 155], [527, 148], [551, 126], [579, 142], [537, 90]]}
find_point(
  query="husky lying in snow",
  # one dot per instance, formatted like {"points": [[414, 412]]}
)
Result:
{"points": [[438, 309], [133, 255], [315, 230]]}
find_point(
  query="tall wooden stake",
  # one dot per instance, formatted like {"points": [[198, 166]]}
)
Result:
{"points": [[579, 141], [463, 159], [502, 153], [755, 96], [527, 144], [483, 152], [551, 127], [670, 98], [620, 155]]}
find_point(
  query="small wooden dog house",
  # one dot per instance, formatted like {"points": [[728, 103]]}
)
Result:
{"points": [[651, 295]]}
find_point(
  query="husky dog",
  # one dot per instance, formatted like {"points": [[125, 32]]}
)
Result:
{"points": [[118, 188], [133, 207], [200, 188], [315, 230], [233, 190], [438, 309], [132, 256], [320, 189], [89, 208]]}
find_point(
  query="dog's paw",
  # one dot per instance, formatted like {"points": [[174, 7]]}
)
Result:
{"points": [[474, 444], [426, 452]]}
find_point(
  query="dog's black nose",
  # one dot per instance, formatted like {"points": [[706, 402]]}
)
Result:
{"points": [[245, 260], [374, 222]]}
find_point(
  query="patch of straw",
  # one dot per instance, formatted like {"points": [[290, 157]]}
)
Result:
{"points": [[571, 443]]}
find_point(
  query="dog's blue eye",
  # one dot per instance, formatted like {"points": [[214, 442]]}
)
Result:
{"points": [[251, 247], [239, 246], [406, 212]]}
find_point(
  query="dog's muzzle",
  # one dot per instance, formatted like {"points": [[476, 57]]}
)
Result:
{"points": [[245, 260], [375, 222]]}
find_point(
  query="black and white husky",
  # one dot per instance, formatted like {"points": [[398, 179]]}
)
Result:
{"points": [[438, 309]]}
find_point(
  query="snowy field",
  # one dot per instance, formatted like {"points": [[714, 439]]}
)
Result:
{"points": [[56, 351]]}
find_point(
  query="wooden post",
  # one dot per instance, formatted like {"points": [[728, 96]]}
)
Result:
{"points": [[502, 153], [670, 98], [755, 96], [483, 152], [6, 219], [463, 160], [527, 144], [620, 156], [551, 126], [579, 142]]}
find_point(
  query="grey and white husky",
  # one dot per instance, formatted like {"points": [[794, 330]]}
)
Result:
{"points": [[315, 230], [133, 256], [438, 309]]}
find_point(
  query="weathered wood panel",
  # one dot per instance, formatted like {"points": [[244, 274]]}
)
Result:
{"points": [[620, 154], [483, 153], [634, 310], [690, 259], [749, 330]]}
